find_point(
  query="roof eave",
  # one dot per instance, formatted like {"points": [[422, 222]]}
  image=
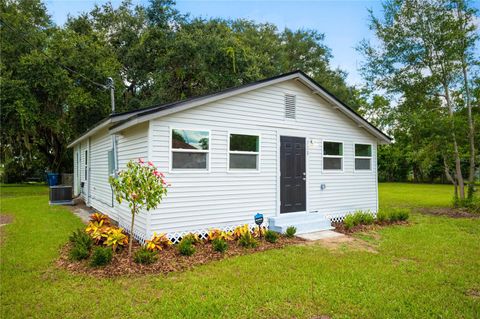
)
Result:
{"points": [[310, 83]]}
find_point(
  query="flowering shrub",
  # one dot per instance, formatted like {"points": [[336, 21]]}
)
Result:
{"points": [[158, 242], [142, 186]]}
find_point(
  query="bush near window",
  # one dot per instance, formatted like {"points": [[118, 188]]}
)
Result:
{"points": [[271, 236], [101, 256], [145, 256], [186, 247], [291, 231], [220, 245]]}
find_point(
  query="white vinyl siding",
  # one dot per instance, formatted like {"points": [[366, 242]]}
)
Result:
{"points": [[83, 148], [77, 177], [221, 199], [131, 145]]}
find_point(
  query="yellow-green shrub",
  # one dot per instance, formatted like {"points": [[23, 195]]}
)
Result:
{"points": [[98, 217], [240, 231], [115, 237], [97, 231], [217, 233], [158, 242]]}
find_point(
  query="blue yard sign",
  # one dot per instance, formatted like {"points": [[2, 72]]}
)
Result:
{"points": [[258, 219]]}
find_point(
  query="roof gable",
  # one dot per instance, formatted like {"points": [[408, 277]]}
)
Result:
{"points": [[122, 121]]}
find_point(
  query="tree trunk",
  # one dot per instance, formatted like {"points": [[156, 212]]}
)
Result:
{"points": [[471, 130], [471, 127], [134, 211], [456, 154], [451, 179]]}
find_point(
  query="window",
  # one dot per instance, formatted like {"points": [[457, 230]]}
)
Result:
{"points": [[244, 152], [86, 165], [363, 157], [332, 156], [190, 149], [112, 165], [290, 106]]}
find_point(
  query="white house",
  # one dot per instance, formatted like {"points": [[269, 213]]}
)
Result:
{"points": [[283, 147]]}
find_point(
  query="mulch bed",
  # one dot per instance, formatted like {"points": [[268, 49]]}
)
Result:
{"points": [[340, 227], [449, 212], [169, 260]]}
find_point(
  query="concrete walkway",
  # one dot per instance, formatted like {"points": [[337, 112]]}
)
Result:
{"points": [[319, 235], [81, 210]]}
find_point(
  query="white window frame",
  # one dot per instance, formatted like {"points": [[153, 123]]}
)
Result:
{"points": [[244, 170], [328, 170], [171, 150], [363, 157]]}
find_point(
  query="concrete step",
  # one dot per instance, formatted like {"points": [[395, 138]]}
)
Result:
{"points": [[305, 223]]}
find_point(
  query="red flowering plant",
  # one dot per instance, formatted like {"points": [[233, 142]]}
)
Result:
{"points": [[142, 186]]}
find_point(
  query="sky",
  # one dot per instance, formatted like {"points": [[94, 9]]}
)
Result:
{"points": [[344, 23]]}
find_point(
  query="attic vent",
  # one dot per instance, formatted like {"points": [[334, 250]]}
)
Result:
{"points": [[290, 105]]}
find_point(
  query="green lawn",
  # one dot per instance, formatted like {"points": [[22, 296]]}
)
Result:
{"points": [[424, 270]]}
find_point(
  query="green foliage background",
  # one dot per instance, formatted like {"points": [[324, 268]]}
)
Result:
{"points": [[154, 53]]}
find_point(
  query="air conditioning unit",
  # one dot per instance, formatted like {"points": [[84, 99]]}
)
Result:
{"points": [[61, 195]]}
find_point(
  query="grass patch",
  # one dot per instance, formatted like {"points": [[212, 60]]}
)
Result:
{"points": [[425, 270]]}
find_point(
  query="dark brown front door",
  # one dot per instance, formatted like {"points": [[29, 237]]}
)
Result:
{"points": [[293, 174]]}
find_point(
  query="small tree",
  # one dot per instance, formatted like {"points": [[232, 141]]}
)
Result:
{"points": [[142, 186]]}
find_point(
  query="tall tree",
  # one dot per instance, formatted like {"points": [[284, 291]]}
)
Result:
{"points": [[50, 85], [426, 46]]}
